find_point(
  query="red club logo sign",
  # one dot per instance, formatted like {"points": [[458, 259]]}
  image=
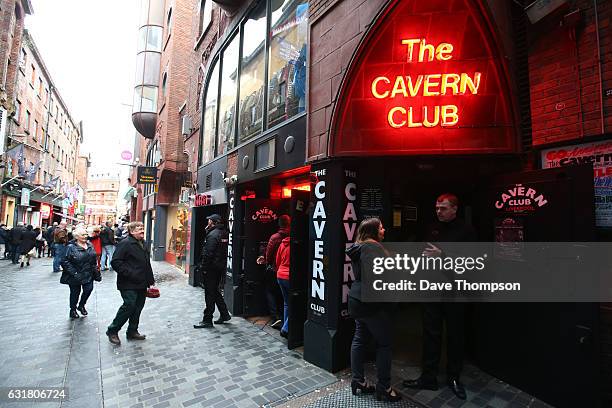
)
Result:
{"points": [[264, 215], [519, 198]]}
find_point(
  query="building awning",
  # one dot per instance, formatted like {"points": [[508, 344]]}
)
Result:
{"points": [[131, 192]]}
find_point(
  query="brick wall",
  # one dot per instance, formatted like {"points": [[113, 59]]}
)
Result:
{"points": [[9, 46], [564, 76]]}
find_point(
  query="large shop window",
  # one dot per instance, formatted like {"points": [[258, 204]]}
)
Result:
{"points": [[210, 116], [227, 102], [284, 89], [252, 71], [287, 72]]}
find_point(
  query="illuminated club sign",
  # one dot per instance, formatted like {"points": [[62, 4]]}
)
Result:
{"points": [[428, 78]]}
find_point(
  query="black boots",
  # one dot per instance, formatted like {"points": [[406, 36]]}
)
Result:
{"points": [[223, 319], [74, 314], [82, 310], [204, 324]]}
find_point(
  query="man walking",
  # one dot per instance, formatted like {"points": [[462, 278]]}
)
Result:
{"points": [[213, 265], [134, 275], [16, 237], [60, 242], [49, 238], [448, 228], [107, 236]]}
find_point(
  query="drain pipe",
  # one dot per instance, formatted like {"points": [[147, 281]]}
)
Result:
{"points": [[601, 108]]}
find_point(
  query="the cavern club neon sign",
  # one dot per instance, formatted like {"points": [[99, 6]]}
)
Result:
{"points": [[418, 51], [519, 198]]}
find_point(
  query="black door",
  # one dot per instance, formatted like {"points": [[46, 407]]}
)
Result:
{"points": [[549, 350], [260, 222], [298, 274]]}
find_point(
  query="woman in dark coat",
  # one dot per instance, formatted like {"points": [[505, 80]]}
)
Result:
{"points": [[80, 269], [28, 243], [372, 320]]}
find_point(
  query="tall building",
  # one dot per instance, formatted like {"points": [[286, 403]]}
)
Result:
{"points": [[162, 77], [43, 142], [101, 198]]}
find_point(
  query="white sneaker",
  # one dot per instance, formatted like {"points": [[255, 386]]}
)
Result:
{"points": [[277, 324]]}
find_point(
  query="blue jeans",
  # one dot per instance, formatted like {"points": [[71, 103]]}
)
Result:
{"points": [[58, 256], [107, 256], [284, 285]]}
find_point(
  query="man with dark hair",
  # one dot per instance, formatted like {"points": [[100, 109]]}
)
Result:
{"points": [[272, 288], [107, 236], [49, 238], [213, 265], [448, 228], [16, 237]]}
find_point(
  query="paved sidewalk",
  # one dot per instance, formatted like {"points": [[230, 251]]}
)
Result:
{"points": [[234, 365]]}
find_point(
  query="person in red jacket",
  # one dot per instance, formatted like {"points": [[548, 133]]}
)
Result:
{"points": [[282, 274], [96, 241]]}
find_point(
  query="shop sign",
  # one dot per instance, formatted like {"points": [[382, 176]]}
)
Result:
{"points": [[264, 215], [599, 154], [426, 80], [518, 198], [45, 211], [25, 197], [126, 155], [349, 222], [202, 200], [230, 239], [319, 219], [146, 175]]}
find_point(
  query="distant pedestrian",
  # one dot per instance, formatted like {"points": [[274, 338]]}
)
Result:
{"points": [[60, 241], [212, 265], [40, 242], [96, 241], [4, 237], [16, 237], [49, 238], [119, 233], [27, 248], [134, 275], [107, 236], [80, 269]]}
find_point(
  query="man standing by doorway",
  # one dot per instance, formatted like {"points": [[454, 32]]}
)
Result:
{"points": [[213, 265], [272, 288], [107, 238], [448, 228]]}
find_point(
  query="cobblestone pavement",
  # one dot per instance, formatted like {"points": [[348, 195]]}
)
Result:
{"points": [[239, 364]]}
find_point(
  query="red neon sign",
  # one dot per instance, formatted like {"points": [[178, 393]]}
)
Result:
{"points": [[429, 78], [286, 193]]}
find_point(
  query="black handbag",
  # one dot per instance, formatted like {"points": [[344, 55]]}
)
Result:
{"points": [[97, 275]]}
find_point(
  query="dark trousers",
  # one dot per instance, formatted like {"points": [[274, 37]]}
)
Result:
{"points": [[16, 253], [434, 314], [133, 303], [75, 291], [379, 328], [213, 295], [272, 292]]}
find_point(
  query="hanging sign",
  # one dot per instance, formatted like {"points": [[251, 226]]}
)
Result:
{"points": [[45, 211], [146, 175]]}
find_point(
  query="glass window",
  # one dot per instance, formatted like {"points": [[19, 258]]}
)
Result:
{"points": [[154, 38], [264, 154], [145, 99], [287, 69], [169, 22], [227, 102], [210, 116], [252, 71], [205, 15], [164, 84]]}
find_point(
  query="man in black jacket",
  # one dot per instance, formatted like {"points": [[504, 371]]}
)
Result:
{"points": [[134, 275], [16, 237], [448, 228], [213, 266]]}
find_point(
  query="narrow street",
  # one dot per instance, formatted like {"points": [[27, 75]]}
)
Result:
{"points": [[239, 364]]}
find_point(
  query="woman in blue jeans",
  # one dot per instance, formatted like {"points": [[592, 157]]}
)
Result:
{"points": [[282, 275], [372, 320]]}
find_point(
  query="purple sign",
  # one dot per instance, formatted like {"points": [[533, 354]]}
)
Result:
{"points": [[126, 155]]}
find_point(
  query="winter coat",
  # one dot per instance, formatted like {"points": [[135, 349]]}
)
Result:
{"points": [[3, 236], [362, 254], [107, 236], [16, 235], [49, 234], [132, 264], [283, 259], [79, 264], [273, 244], [214, 251], [28, 241], [96, 241]]}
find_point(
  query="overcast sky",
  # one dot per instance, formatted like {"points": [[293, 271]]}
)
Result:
{"points": [[89, 47]]}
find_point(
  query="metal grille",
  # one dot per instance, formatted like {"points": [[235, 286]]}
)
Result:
{"points": [[208, 183]]}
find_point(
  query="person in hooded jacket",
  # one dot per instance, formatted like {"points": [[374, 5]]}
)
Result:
{"points": [[372, 320], [283, 263], [28, 243], [80, 269], [213, 264]]}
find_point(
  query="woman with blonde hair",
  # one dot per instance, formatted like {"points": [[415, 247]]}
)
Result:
{"points": [[80, 269], [372, 320]]}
